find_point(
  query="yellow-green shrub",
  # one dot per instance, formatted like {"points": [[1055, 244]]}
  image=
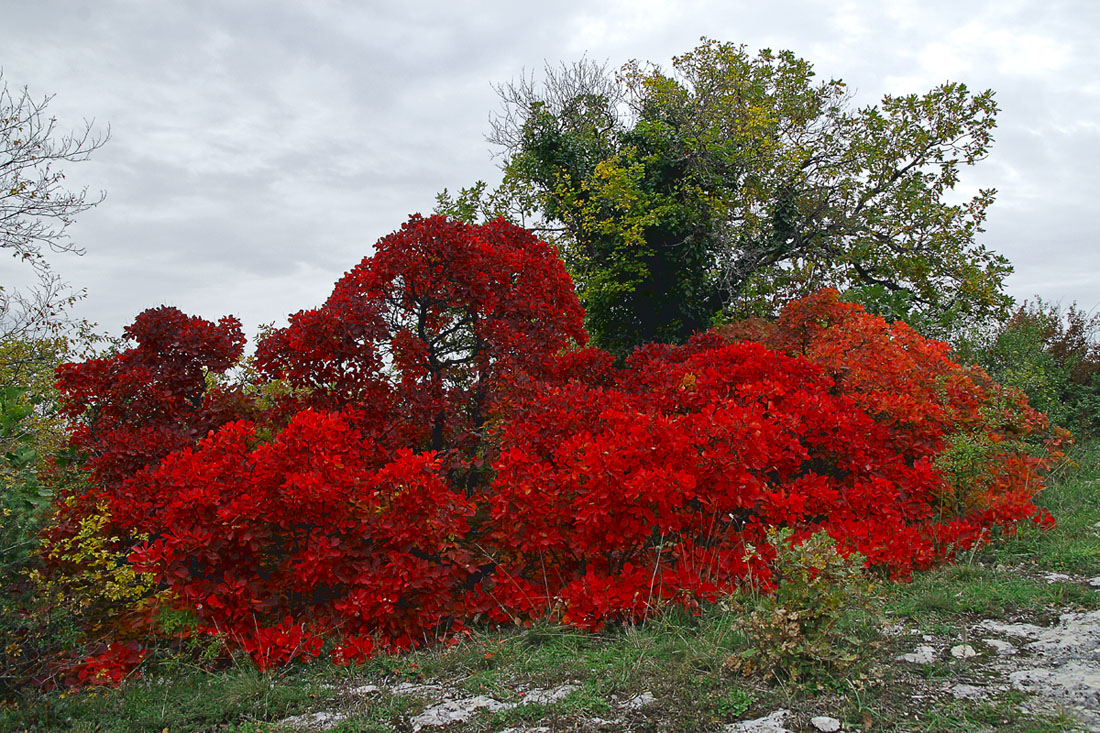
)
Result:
{"points": [[816, 621], [90, 576]]}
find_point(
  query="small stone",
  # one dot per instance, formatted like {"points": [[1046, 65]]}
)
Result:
{"points": [[639, 701], [922, 655], [963, 651], [927, 637], [768, 724], [364, 690], [1057, 577], [456, 711], [1095, 582], [968, 692], [825, 724], [545, 697], [1001, 647], [322, 720]]}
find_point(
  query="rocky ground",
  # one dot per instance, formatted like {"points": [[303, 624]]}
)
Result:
{"points": [[1051, 661], [1058, 665]]}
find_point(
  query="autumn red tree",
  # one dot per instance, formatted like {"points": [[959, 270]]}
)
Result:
{"points": [[427, 335], [131, 409]]}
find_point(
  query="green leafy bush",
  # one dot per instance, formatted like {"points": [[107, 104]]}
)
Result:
{"points": [[40, 630], [24, 500], [22, 496], [1053, 356], [812, 625]]}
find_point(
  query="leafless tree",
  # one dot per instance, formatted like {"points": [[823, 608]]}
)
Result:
{"points": [[584, 86], [36, 209]]}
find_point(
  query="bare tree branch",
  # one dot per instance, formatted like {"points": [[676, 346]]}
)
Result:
{"points": [[36, 209]]}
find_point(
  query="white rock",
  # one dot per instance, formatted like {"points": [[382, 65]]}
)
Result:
{"points": [[768, 724], [540, 729], [969, 692], [1075, 635], [315, 721], [1000, 646], [1095, 582], [825, 724], [328, 719], [963, 651], [927, 637], [411, 688], [923, 655], [545, 697], [600, 722], [1065, 664], [1024, 631], [1076, 682], [364, 690], [1057, 577], [457, 711], [638, 701]]}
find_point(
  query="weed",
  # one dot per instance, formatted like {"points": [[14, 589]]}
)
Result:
{"points": [[735, 704]]}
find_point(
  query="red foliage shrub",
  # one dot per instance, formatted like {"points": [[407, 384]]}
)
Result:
{"points": [[609, 500], [429, 333], [315, 526], [114, 663], [353, 650], [991, 445], [651, 491], [279, 645], [365, 506], [130, 410], [134, 408]]}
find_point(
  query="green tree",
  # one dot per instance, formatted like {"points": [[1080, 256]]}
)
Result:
{"points": [[1050, 353], [736, 181]]}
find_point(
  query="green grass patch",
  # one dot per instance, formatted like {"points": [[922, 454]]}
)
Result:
{"points": [[196, 700], [1073, 497], [984, 591]]}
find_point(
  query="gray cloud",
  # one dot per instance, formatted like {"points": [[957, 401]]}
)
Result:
{"points": [[260, 148]]}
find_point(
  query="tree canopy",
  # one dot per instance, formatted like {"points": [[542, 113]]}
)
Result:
{"points": [[737, 181]]}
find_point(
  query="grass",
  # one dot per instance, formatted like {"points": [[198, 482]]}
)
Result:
{"points": [[694, 667]]}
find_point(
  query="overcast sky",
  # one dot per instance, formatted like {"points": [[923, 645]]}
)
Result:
{"points": [[258, 149]]}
